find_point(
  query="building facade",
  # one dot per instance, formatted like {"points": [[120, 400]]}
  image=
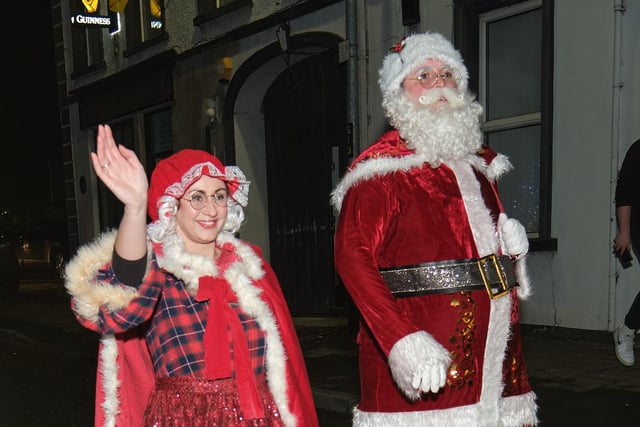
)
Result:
{"points": [[288, 91]]}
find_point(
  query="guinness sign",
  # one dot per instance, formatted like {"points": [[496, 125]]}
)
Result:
{"points": [[91, 20]]}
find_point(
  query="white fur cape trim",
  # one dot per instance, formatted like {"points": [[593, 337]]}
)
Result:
{"points": [[87, 292], [108, 356]]}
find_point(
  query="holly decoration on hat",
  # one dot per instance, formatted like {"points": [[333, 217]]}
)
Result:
{"points": [[397, 48]]}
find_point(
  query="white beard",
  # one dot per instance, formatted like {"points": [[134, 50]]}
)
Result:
{"points": [[442, 133]]}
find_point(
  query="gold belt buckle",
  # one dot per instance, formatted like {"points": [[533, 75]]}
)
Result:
{"points": [[504, 288]]}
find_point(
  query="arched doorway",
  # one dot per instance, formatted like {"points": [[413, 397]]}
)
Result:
{"points": [[304, 114]]}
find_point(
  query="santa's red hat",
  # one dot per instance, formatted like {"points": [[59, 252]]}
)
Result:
{"points": [[174, 175]]}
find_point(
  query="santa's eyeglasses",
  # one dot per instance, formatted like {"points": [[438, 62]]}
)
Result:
{"points": [[428, 77], [198, 199]]}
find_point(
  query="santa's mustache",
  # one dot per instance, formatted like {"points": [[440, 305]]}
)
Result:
{"points": [[453, 97]]}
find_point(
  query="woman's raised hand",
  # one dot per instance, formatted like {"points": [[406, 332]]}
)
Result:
{"points": [[120, 170]]}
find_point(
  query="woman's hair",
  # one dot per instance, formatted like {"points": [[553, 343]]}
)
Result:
{"points": [[166, 223]]}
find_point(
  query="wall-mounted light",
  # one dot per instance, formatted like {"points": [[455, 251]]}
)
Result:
{"points": [[211, 110], [282, 33]]}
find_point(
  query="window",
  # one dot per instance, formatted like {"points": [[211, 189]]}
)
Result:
{"points": [[218, 7], [509, 56], [111, 208], [86, 42], [143, 23], [158, 136], [510, 70], [149, 134]]}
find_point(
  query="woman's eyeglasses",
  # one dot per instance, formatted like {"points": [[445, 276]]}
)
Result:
{"points": [[198, 199]]}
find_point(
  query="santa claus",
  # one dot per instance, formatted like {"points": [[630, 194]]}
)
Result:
{"points": [[429, 257]]}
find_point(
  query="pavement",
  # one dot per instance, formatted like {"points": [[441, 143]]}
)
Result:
{"points": [[574, 373]]}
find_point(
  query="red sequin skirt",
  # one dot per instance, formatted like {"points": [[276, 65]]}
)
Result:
{"points": [[198, 402]]}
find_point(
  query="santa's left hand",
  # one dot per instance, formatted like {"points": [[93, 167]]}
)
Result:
{"points": [[513, 236]]}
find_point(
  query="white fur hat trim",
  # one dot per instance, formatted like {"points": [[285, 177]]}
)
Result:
{"points": [[413, 51]]}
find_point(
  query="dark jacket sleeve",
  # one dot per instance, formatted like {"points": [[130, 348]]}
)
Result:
{"points": [[627, 191]]}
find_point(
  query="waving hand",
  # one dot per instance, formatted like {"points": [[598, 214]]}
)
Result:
{"points": [[120, 170]]}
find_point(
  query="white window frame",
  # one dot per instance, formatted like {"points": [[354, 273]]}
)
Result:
{"points": [[512, 122]]}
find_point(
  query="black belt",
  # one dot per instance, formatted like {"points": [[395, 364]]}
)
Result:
{"points": [[493, 273]]}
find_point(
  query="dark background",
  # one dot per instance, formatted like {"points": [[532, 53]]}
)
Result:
{"points": [[31, 161]]}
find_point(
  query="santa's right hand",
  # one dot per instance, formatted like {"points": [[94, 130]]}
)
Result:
{"points": [[430, 377], [419, 364]]}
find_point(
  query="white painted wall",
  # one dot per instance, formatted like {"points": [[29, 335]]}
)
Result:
{"points": [[628, 284], [581, 285], [583, 43]]}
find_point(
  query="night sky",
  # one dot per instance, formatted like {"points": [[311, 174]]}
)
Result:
{"points": [[28, 105]]}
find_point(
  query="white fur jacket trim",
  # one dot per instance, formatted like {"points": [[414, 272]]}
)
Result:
{"points": [[380, 166]]}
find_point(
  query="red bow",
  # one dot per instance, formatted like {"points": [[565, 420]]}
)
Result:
{"points": [[221, 321]]}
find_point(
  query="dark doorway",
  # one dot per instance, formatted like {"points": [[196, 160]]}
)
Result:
{"points": [[305, 113]]}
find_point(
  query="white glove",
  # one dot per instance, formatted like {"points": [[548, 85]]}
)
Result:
{"points": [[419, 364], [430, 377], [513, 236]]}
